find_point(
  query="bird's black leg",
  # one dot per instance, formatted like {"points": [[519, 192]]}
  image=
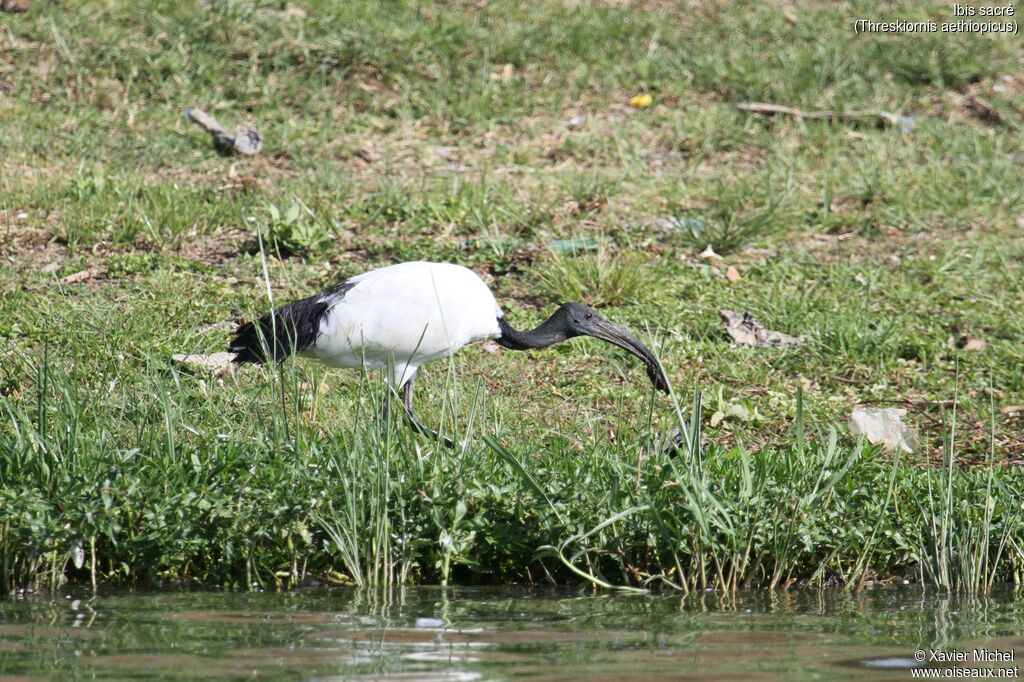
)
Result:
{"points": [[415, 423]]}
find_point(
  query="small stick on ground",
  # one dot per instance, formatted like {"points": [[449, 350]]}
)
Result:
{"points": [[245, 140], [906, 401], [886, 117]]}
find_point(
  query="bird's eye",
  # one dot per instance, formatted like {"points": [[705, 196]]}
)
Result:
{"points": [[590, 316]]}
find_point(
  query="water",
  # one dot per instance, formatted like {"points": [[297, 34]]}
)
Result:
{"points": [[490, 633]]}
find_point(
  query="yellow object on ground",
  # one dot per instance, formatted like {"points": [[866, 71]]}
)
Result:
{"points": [[641, 101]]}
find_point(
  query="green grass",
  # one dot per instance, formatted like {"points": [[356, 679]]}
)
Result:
{"points": [[391, 134]]}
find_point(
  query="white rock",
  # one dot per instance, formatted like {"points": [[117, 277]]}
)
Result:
{"points": [[885, 426], [77, 555], [429, 623]]}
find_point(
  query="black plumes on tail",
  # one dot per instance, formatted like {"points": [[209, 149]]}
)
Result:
{"points": [[281, 332], [285, 331]]}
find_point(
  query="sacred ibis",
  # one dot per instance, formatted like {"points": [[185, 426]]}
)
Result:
{"points": [[404, 315]]}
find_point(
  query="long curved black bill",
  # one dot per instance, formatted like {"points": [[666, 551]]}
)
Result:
{"points": [[616, 335]]}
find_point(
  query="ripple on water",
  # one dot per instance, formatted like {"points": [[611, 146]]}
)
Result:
{"points": [[470, 634]]}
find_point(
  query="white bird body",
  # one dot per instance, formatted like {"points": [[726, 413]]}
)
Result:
{"points": [[405, 314]]}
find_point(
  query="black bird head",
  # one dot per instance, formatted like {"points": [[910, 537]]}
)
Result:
{"points": [[578, 319]]}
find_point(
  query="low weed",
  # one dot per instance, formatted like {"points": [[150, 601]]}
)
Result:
{"points": [[295, 230], [736, 215], [598, 278]]}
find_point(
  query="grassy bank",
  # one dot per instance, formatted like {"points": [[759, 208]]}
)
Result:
{"points": [[272, 490], [500, 136]]}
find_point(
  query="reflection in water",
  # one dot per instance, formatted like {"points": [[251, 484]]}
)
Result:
{"points": [[894, 662], [469, 634]]}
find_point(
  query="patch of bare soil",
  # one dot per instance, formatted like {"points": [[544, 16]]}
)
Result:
{"points": [[886, 244], [28, 247], [994, 102], [235, 175], [218, 248], [527, 148]]}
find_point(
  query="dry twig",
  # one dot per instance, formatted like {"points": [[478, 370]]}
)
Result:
{"points": [[904, 123]]}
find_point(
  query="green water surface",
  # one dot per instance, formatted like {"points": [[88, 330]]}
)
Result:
{"points": [[492, 633]]}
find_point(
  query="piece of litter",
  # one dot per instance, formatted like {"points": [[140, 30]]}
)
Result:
{"points": [[691, 226], [576, 122], [883, 426], [22, 215], [732, 410], [245, 140], [429, 623], [709, 253], [218, 363], [80, 276], [572, 246], [747, 330], [970, 343], [641, 101], [505, 74], [77, 555], [732, 274]]}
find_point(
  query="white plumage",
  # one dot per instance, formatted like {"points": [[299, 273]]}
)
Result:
{"points": [[406, 314]]}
